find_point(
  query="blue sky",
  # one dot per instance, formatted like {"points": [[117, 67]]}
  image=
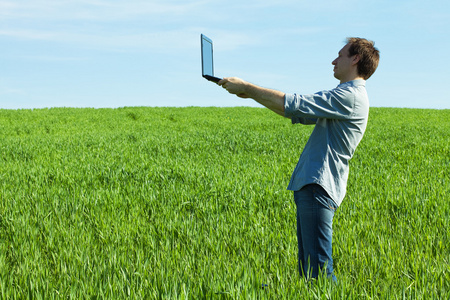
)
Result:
{"points": [[98, 53]]}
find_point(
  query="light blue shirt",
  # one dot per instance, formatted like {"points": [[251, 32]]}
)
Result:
{"points": [[340, 116]]}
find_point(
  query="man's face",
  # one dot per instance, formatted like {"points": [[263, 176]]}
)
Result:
{"points": [[343, 64]]}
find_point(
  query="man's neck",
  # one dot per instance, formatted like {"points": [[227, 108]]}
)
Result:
{"points": [[351, 78]]}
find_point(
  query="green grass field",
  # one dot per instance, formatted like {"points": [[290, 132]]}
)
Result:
{"points": [[191, 203]]}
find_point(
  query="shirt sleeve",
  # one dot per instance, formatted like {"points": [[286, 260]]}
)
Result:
{"points": [[334, 104]]}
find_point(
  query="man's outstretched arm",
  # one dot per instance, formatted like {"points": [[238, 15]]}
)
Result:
{"points": [[272, 99]]}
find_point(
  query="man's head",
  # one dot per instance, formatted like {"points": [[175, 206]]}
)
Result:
{"points": [[359, 58], [369, 56]]}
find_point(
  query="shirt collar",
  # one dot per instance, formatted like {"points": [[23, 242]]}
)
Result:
{"points": [[355, 83]]}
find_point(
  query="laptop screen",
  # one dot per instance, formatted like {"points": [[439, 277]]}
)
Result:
{"points": [[207, 56]]}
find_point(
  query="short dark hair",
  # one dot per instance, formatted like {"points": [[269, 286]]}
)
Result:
{"points": [[369, 55]]}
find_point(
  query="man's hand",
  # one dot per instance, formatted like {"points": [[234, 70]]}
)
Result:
{"points": [[271, 99], [235, 86]]}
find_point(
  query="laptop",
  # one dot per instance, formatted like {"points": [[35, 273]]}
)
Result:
{"points": [[207, 59]]}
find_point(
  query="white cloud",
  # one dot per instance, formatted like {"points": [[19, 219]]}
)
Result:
{"points": [[97, 10], [29, 34], [97, 24], [119, 25]]}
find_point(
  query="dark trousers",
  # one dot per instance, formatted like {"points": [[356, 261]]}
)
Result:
{"points": [[315, 212]]}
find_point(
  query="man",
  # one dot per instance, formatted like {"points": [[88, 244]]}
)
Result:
{"points": [[319, 180]]}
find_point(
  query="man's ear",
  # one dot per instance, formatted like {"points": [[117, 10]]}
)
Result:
{"points": [[356, 59]]}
